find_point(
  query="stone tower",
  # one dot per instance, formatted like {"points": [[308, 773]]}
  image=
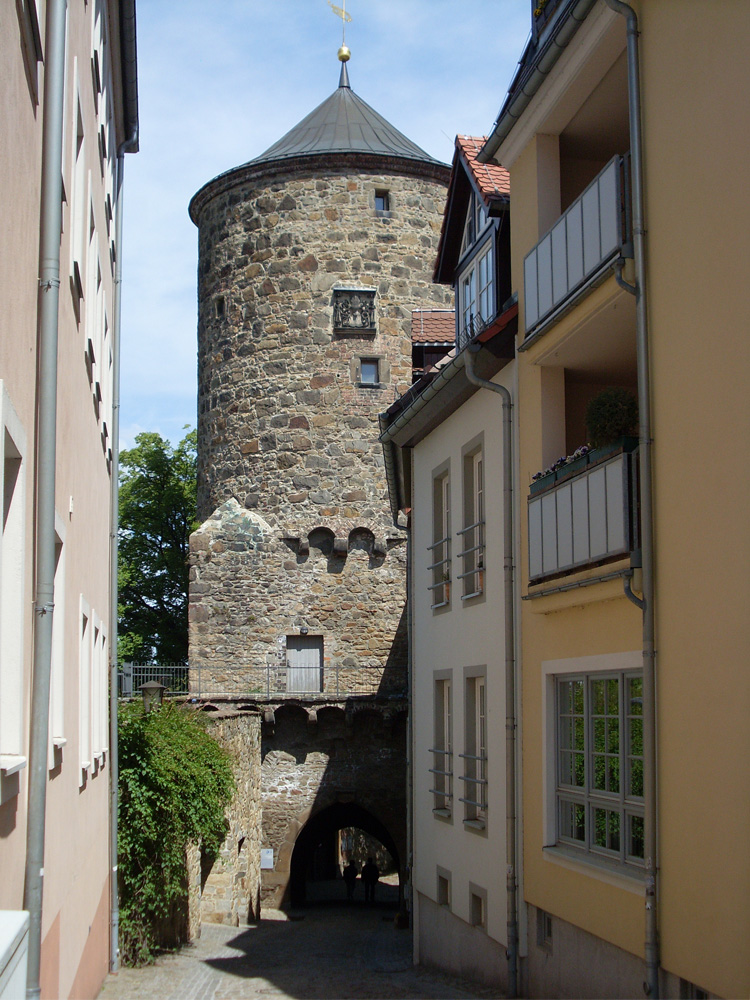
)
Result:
{"points": [[311, 259]]}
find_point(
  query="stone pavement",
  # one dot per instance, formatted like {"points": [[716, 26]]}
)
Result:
{"points": [[322, 953]]}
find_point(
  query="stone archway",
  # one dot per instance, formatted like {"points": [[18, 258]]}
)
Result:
{"points": [[329, 821]]}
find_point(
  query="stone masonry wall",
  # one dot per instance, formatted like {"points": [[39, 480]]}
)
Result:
{"points": [[230, 887], [249, 589], [360, 761], [282, 424]]}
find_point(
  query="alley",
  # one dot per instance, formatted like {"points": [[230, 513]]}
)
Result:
{"points": [[325, 952]]}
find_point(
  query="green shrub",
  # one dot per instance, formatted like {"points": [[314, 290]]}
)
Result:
{"points": [[175, 784], [611, 415]]}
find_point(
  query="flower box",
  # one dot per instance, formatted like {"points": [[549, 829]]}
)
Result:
{"points": [[568, 470]]}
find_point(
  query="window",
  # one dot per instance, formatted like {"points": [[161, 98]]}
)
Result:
{"points": [[544, 930], [57, 671], [443, 887], [477, 294], [382, 201], [477, 906], [475, 757], [440, 550], [369, 371], [31, 43], [599, 764], [472, 534], [79, 205], [84, 689], [442, 752], [12, 590], [476, 220]]}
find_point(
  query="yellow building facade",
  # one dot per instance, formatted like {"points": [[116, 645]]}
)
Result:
{"points": [[588, 775]]}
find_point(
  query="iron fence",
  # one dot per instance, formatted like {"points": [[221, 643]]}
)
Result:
{"points": [[229, 681]]}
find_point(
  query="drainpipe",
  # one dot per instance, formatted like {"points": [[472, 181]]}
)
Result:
{"points": [[409, 720], [46, 454], [510, 668], [651, 986], [114, 495]]}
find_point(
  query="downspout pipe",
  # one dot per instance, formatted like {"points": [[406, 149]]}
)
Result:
{"points": [[510, 667], [114, 522], [46, 457], [651, 986]]}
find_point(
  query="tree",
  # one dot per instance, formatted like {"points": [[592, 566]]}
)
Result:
{"points": [[157, 515], [175, 785]]}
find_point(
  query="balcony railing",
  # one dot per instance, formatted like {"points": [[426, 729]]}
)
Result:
{"points": [[589, 235], [230, 681], [586, 519]]}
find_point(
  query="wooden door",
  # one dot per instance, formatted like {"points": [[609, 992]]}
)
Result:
{"points": [[304, 663]]}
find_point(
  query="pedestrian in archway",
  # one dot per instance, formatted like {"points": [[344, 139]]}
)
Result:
{"points": [[350, 877], [370, 877]]}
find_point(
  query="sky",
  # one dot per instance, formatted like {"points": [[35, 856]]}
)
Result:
{"points": [[218, 82]]}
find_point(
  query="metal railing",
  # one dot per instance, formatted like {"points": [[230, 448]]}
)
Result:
{"points": [[241, 681], [588, 236]]}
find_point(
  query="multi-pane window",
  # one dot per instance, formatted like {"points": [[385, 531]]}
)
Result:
{"points": [[600, 764], [440, 550], [475, 758], [476, 220], [441, 771], [477, 291], [472, 534]]}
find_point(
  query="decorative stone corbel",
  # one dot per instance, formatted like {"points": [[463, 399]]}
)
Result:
{"points": [[312, 716], [340, 547], [379, 547]]}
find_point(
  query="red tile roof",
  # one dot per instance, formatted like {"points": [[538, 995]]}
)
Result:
{"points": [[493, 181], [433, 326]]}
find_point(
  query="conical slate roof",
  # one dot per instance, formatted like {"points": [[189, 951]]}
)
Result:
{"points": [[344, 123]]}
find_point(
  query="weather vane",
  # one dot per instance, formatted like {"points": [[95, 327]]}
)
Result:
{"points": [[344, 52]]}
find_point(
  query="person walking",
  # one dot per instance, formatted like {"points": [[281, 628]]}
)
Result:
{"points": [[370, 877], [350, 877]]}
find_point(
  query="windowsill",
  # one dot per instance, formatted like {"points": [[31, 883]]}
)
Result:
{"points": [[59, 742], [475, 825], [439, 607], [444, 814], [370, 385], [11, 763], [623, 877], [470, 597]]}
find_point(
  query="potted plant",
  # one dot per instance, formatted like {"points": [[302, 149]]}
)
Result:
{"points": [[612, 418]]}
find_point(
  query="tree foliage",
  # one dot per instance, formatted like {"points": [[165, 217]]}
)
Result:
{"points": [[175, 784], [157, 515]]}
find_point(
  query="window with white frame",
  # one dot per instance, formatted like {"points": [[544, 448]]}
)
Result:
{"points": [[57, 738], [476, 220], [31, 43], [369, 371], [599, 764], [79, 212], [472, 533], [440, 550], [474, 758], [477, 292], [84, 689], [441, 771], [12, 585]]}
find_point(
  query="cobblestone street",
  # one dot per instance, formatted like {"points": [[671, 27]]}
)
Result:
{"points": [[329, 952]]}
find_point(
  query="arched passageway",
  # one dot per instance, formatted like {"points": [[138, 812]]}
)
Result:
{"points": [[321, 829]]}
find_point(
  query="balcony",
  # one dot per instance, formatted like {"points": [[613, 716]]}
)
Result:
{"points": [[581, 245], [586, 519]]}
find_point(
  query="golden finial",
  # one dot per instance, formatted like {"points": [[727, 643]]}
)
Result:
{"points": [[344, 52]]}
